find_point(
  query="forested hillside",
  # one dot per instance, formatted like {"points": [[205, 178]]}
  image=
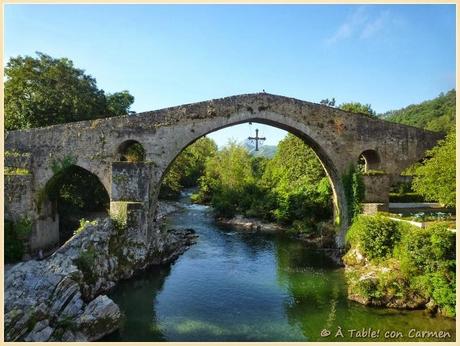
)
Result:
{"points": [[436, 115]]}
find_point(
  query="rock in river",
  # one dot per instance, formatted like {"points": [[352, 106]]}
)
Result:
{"points": [[62, 297]]}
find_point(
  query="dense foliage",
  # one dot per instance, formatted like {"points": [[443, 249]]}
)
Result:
{"points": [[354, 191], [187, 168], [375, 236], [421, 261], [292, 188], [436, 115], [296, 177], [15, 235], [228, 180], [357, 107], [427, 258], [354, 107], [435, 178], [45, 91]]}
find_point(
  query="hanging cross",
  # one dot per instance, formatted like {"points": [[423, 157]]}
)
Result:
{"points": [[257, 139]]}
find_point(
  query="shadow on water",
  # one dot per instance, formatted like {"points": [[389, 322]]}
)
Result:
{"points": [[136, 299]]}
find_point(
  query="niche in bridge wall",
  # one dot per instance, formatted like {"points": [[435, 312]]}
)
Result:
{"points": [[131, 151], [369, 160], [74, 193]]}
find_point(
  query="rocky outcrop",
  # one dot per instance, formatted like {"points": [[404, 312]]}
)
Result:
{"points": [[251, 224], [62, 297]]}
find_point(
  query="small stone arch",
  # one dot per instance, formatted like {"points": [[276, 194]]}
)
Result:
{"points": [[53, 229], [370, 160], [131, 151]]}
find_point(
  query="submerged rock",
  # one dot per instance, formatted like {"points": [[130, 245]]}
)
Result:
{"points": [[61, 298]]}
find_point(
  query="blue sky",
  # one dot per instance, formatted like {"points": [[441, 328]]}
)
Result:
{"points": [[387, 55]]}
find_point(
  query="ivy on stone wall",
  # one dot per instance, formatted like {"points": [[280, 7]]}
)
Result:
{"points": [[354, 191]]}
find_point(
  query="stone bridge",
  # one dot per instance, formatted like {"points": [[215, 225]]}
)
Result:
{"points": [[339, 139]]}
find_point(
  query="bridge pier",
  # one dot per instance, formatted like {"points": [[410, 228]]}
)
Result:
{"points": [[376, 193], [131, 193]]}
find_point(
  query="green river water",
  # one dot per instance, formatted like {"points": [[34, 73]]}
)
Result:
{"points": [[240, 286]]}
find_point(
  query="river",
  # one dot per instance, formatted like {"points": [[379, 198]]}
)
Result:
{"points": [[239, 286]]}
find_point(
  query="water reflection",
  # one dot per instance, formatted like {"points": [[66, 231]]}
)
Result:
{"points": [[319, 301]]}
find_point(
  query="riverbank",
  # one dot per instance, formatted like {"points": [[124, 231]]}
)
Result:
{"points": [[324, 238], [63, 297], [397, 265]]}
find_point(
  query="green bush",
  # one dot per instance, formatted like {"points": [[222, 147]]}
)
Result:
{"points": [[14, 247], [15, 235], [427, 250], [374, 236], [427, 257], [86, 262]]}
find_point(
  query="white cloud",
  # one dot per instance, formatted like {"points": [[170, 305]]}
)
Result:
{"points": [[359, 24], [375, 25]]}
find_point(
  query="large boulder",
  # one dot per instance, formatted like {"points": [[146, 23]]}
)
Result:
{"points": [[62, 297]]}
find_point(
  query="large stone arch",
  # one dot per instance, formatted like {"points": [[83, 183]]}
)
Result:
{"points": [[276, 120]]}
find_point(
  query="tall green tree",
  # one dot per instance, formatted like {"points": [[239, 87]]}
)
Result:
{"points": [[297, 178], [45, 91], [291, 188], [187, 168], [119, 103], [229, 182], [435, 178]]}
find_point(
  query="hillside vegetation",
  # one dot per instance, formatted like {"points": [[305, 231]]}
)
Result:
{"points": [[435, 115]]}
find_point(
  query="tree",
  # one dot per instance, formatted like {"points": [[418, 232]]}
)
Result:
{"points": [[357, 107], [297, 178], [291, 188], [435, 178], [187, 168], [436, 115], [228, 183], [45, 91], [119, 103]]}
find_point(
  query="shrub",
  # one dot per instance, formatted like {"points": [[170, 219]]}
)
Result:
{"points": [[427, 250], [427, 257], [86, 262], [83, 224], [14, 248], [15, 235], [374, 236]]}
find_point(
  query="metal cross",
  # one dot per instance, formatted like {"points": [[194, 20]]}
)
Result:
{"points": [[257, 139]]}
